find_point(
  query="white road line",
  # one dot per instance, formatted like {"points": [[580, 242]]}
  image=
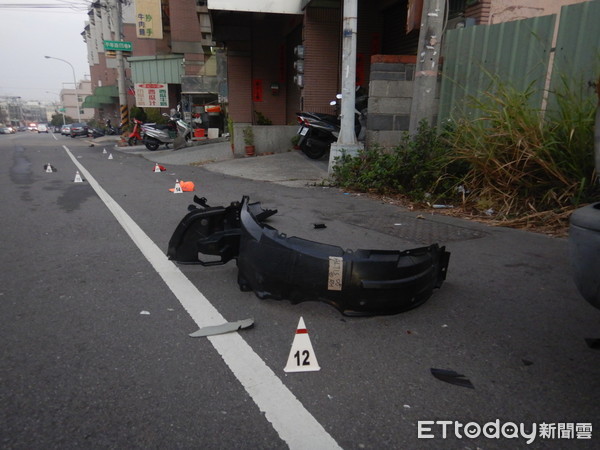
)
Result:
{"points": [[294, 424]]}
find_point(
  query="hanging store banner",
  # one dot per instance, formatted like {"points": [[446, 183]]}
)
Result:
{"points": [[262, 6], [148, 19], [152, 95]]}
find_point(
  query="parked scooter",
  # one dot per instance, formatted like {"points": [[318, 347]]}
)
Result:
{"points": [[95, 133], [110, 130], [318, 131], [137, 134], [177, 131]]}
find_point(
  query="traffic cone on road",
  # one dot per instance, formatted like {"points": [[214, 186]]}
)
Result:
{"points": [[77, 178], [302, 356], [177, 189]]}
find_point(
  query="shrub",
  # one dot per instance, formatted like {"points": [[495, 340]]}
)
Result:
{"points": [[138, 113], [415, 167], [154, 115], [504, 156], [522, 162]]}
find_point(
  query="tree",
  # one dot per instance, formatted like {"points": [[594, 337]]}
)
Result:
{"points": [[57, 120]]}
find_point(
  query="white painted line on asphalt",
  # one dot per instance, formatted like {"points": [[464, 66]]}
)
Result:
{"points": [[294, 424]]}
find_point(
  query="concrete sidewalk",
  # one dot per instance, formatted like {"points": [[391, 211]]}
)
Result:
{"points": [[291, 168]]}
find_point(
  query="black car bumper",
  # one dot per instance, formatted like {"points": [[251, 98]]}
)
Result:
{"points": [[272, 265]]}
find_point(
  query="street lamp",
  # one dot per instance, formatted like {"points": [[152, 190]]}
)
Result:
{"points": [[74, 82]]}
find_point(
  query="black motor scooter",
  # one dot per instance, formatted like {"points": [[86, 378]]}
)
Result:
{"points": [[110, 130], [318, 131]]}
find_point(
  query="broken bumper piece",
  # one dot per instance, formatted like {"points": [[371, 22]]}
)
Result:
{"points": [[361, 282], [357, 283], [213, 232]]}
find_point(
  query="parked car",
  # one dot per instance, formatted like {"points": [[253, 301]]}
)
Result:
{"points": [[6, 130], [66, 129], [42, 128], [79, 129]]}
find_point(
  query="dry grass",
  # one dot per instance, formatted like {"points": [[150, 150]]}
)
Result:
{"points": [[521, 163], [552, 223], [504, 163]]}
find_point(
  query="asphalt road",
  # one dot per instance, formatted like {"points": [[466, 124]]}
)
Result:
{"points": [[95, 345]]}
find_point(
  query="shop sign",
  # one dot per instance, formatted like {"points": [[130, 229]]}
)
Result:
{"points": [[152, 95]]}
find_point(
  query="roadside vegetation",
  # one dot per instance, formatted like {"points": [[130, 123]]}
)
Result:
{"points": [[506, 162]]}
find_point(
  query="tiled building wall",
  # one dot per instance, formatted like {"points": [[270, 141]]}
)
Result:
{"points": [[239, 75], [269, 69], [480, 11], [186, 35], [322, 47]]}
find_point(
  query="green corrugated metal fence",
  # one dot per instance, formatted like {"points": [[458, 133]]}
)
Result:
{"points": [[519, 54], [577, 55]]}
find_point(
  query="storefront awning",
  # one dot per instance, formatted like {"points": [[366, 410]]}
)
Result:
{"points": [[107, 91], [156, 69], [103, 95], [91, 102]]}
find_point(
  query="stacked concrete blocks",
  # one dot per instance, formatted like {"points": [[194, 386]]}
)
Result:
{"points": [[390, 96]]}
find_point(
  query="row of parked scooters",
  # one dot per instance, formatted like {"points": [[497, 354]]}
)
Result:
{"points": [[176, 131], [317, 131]]}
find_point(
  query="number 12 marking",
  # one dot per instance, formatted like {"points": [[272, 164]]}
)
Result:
{"points": [[305, 361]]}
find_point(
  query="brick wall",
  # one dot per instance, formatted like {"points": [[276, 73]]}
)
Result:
{"points": [[268, 67], [390, 98], [186, 35], [480, 11], [239, 75], [185, 26], [322, 47]]}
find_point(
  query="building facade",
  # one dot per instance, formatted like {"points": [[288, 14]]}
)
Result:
{"points": [[262, 61], [72, 99], [176, 58]]}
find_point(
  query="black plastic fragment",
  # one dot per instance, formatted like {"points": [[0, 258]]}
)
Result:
{"points": [[593, 343], [210, 231], [452, 377], [319, 226], [356, 282], [201, 201]]}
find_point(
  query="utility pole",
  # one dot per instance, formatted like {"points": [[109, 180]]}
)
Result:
{"points": [[116, 11], [597, 131], [426, 70], [347, 142]]}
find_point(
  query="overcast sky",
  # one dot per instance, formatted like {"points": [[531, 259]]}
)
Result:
{"points": [[29, 33]]}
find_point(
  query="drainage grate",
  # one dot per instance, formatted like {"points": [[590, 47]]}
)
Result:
{"points": [[411, 228]]}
